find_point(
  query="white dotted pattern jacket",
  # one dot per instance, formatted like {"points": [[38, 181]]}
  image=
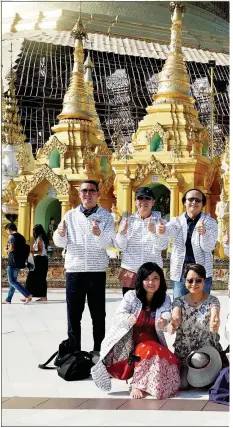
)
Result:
{"points": [[85, 251]]}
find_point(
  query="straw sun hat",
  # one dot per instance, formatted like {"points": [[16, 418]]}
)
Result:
{"points": [[204, 366]]}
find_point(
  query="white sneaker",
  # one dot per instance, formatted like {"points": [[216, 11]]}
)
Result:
{"points": [[95, 356]]}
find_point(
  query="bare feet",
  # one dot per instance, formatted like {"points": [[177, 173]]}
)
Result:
{"points": [[5, 302], [136, 393], [42, 299], [28, 299], [23, 300]]}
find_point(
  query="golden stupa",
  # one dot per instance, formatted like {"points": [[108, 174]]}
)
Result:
{"points": [[169, 149], [76, 151], [168, 152]]}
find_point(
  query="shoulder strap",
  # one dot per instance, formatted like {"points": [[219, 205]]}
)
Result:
{"points": [[43, 366]]}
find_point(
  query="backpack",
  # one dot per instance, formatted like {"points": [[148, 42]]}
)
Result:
{"points": [[18, 257], [220, 392], [70, 365]]}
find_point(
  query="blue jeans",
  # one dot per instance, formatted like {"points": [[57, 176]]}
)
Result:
{"points": [[179, 288], [12, 274]]}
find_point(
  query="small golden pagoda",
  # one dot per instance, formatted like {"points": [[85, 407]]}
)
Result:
{"points": [[75, 152], [170, 146]]}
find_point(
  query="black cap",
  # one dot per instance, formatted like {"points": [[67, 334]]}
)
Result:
{"points": [[144, 191]]}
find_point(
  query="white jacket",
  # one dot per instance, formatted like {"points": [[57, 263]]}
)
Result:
{"points": [[129, 305], [138, 245], [85, 251], [202, 245]]}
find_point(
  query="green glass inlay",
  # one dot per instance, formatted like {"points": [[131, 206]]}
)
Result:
{"points": [[54, 159], [104, 164], [156, 143]]}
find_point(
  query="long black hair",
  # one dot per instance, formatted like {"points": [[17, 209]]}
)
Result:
{"points": [[38, 231], [159, 296]]}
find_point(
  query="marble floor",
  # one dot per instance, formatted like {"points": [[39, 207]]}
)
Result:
{"points": [[31, 333]]}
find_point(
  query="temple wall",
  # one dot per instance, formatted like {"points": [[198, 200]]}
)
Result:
{"points": [[56, 274]]}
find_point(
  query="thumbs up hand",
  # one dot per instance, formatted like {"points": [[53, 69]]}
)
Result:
{"points": [[95, 228], [123, 228], [160, 227], [151, 225], [161, 322], [201, 228], [62, 228]]}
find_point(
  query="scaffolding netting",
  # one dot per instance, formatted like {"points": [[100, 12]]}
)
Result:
{"points": [[123, 88]]}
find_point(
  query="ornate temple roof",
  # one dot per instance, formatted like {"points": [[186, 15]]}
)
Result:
{"points": [[128, 47], [203, 27]]}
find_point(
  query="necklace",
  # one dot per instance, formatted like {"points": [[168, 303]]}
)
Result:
{"points": [[195, 302]]}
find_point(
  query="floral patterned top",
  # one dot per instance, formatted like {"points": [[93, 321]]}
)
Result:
{"points": [[194, 331]]}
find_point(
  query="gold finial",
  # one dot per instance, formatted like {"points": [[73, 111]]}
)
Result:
{"points": [[79, 32], [11, 123], [88, 64], [174, 84], [75, 104]]}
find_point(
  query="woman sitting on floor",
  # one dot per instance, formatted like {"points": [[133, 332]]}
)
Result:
{"points": [[135, 346], [195, 319]]}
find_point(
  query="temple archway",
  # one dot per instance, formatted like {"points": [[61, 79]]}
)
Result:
{"points": [[162, 199], [45, 210]]}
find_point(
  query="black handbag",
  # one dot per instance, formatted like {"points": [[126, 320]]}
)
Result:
{"points": [[63, 349], [75, 366], [70, 365]]}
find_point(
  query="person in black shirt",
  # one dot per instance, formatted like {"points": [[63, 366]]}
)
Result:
{"points": [[16, 261]]}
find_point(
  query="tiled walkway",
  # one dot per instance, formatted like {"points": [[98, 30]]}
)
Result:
{"points": [[110, 404], [34, 397]]}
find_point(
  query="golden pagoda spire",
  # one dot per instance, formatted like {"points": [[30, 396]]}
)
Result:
{"points": [[75, 104], [88, 64], [174, 84], [11, 121]]}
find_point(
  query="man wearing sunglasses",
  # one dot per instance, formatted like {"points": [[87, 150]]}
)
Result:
{"points": [[137, 238], [86, 232], [195, 236]]}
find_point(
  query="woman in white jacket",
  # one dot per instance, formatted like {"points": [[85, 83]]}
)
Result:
{"points": [[195, 236], [137, 238], [135, 346]]}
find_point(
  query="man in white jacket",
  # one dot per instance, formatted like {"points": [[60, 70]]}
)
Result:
{"points": [[195, 236], [86, 232], [137, 238]]}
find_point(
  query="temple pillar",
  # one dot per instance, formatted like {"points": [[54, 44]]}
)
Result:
{"points": [[174, 197], [65, 204], [24, 217], [33, 201], [126, 189], [133, 201]]}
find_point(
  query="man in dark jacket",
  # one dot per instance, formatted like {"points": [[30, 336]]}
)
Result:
{"points": [[16, 260]]}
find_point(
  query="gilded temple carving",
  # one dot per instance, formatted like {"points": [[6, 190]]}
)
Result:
{"points": [[223, 213], [103, 150], [154, 166], [88, 158], [54, 144], [157, 129], [61, 184], [211, 173], [105, 184]]}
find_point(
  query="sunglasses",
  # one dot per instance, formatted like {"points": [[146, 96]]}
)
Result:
{"points": [[92, 191], [196, 281], [194, 200], [144, 198]]}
